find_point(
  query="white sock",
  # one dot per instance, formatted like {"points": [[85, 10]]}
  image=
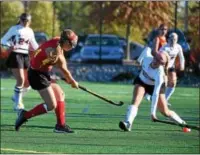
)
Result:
{"points": [[25, 90], [131, 113], [18, 94], [169, 91], [176, 118]]}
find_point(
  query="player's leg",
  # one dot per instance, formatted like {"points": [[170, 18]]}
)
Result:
{"points": [[39, 81], [163, 108], [49, 104], [18, 62], [18, 73], [60, 110], [172, 78], [132, 109], [27, 86]]}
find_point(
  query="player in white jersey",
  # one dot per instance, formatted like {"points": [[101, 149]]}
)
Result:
{"points": [[19, 39], [151, 80], [174, 50]]}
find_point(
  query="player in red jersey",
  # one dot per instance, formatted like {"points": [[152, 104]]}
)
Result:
{"points": [[160, 39], [49, 54]]}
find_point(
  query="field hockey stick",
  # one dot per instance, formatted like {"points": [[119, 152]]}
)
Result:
{"points": [[181, 125], [17, 48], [97, 95], [101, 97]]}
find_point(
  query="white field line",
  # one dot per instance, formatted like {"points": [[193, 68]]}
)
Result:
{"points": [[24, 151]]}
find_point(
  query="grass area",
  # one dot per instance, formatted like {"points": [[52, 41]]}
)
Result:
{"points": [[96, 124]]}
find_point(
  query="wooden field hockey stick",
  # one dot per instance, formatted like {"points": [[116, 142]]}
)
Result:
{"points": [[181, 125], [101, 97]]}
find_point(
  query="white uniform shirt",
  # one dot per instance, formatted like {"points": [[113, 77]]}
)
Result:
{"points": [[173, 52], [21, 38], [152, 76]]}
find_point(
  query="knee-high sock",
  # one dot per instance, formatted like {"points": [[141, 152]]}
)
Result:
{"points": [[37, 110], [169, 91], [60, 113], [131, 113], [18, 94], [176, 118]]}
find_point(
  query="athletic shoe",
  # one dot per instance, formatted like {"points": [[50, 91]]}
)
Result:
{"points": [[20, 120], [126, 126], [63, 129]]}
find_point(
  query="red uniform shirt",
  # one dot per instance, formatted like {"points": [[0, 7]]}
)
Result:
{"points": [[41, 60]]}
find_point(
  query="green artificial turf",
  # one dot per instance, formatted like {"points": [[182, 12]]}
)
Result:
{"points": [[95, 123]]}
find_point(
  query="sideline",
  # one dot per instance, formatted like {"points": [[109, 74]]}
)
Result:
{"points": [[24, 151]]}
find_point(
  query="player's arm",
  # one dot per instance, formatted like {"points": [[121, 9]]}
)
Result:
{"points": [[61, 63], [158, 83], [6, 37], [155, 46], [34, 45], [181, 58]]}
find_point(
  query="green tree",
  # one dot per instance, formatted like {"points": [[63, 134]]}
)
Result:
{"points": [[42, 17], [74, 15], [10, 12]]}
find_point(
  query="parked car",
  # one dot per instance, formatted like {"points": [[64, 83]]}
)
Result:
{"points": [[181, 39], [110, 48], [41, 37], [135, 50]]}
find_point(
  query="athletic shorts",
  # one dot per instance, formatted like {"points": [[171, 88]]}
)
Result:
{"points": [[172, 69], [17, 60], [38, 80], [148, 88]]}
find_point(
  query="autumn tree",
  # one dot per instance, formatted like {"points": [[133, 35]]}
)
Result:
{"points": [[142, 16]]}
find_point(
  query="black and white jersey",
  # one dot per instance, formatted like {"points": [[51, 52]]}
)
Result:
{"points": [[151, 76], [173, 52], [21, 38]]}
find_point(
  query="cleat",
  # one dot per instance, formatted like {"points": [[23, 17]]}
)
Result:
{"points": [[20, 120], [63, 129], [126, 126]]}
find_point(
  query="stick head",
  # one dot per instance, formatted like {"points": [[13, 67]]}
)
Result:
{"points": [[121, 103]]}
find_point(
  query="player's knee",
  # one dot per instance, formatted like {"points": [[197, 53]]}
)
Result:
{"points": [[60, 96]]}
